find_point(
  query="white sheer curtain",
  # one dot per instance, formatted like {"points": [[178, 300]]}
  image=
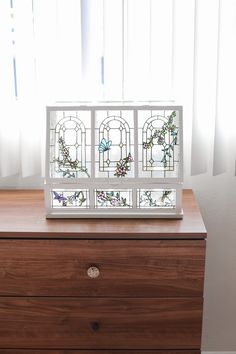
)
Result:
{"points": [[40, 62], [137, 50], [213, 86]]}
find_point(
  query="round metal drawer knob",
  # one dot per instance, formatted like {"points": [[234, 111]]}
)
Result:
{"points": [[93, 272]]}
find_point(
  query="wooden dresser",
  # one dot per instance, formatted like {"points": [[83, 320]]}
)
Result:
{"points": [[99, 286]]}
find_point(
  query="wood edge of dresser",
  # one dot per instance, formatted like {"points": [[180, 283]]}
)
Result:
{"points": [[99, 351], [23, 216], [102, 236]]}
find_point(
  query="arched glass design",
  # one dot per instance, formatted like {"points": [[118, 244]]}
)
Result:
{"points": [[114, 148], [69, 155], [117, 131], [159, 146], [112, 161]]}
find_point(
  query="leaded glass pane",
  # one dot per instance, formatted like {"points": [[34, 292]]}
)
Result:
{"points": [[158, 136], [70, 198], [70, 144], [156, 198], [107, 198], [105, 161], [114, 144]]}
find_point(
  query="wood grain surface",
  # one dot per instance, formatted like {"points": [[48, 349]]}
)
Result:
{"points": [[146, 300], [22, 215], [33, 351], [127, 268], [72, 323], [43, 351]]}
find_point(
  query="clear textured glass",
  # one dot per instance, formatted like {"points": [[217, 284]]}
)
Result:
{"points": [[107, 198], [158, 143], [70, 144], [70, 198], [114, 144], [119, 159], [156, 198]]}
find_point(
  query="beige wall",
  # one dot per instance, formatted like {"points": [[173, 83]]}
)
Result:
{"points": [[216, 198]]}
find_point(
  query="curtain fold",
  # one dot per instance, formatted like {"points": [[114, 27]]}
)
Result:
{"points": [[205, 69], [225, 120], [147, 50], [40, 42], [9, 129]]}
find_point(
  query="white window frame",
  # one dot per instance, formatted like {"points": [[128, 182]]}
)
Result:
{"points": [[133, 183]]}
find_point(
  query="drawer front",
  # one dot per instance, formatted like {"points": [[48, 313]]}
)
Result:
{"points": [[140, 268], [59, 323], [31, 351]]}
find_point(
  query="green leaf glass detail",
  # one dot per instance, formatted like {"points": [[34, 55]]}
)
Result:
{"points": [[160, 134], [146, 198], [112, 198], [123, 166], [66, 164]]}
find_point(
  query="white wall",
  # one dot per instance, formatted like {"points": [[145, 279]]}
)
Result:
{"points": [[216, 198]]}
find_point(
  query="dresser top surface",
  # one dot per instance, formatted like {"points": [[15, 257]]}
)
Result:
{"points": [[22, 215]]}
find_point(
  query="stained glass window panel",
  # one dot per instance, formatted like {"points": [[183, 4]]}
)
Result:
{"points": [[70, 144], [114, 144], [70, 198], [115, 160], [156, 198], [107, 198], [158, 143]]}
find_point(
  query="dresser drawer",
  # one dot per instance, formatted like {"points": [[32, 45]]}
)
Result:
{"points": [[102, 268], [73, 323], [32, 351]]}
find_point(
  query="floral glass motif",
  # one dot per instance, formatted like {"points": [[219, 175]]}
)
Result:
{"points": [[158, 144], [114, 131], [70, 198], [113, 198], [157, 198], [70, 144], [112, 161]]}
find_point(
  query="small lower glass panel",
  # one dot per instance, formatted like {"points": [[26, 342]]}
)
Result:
{"points": [[106, 198], [156, 198], [70, 198]]}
